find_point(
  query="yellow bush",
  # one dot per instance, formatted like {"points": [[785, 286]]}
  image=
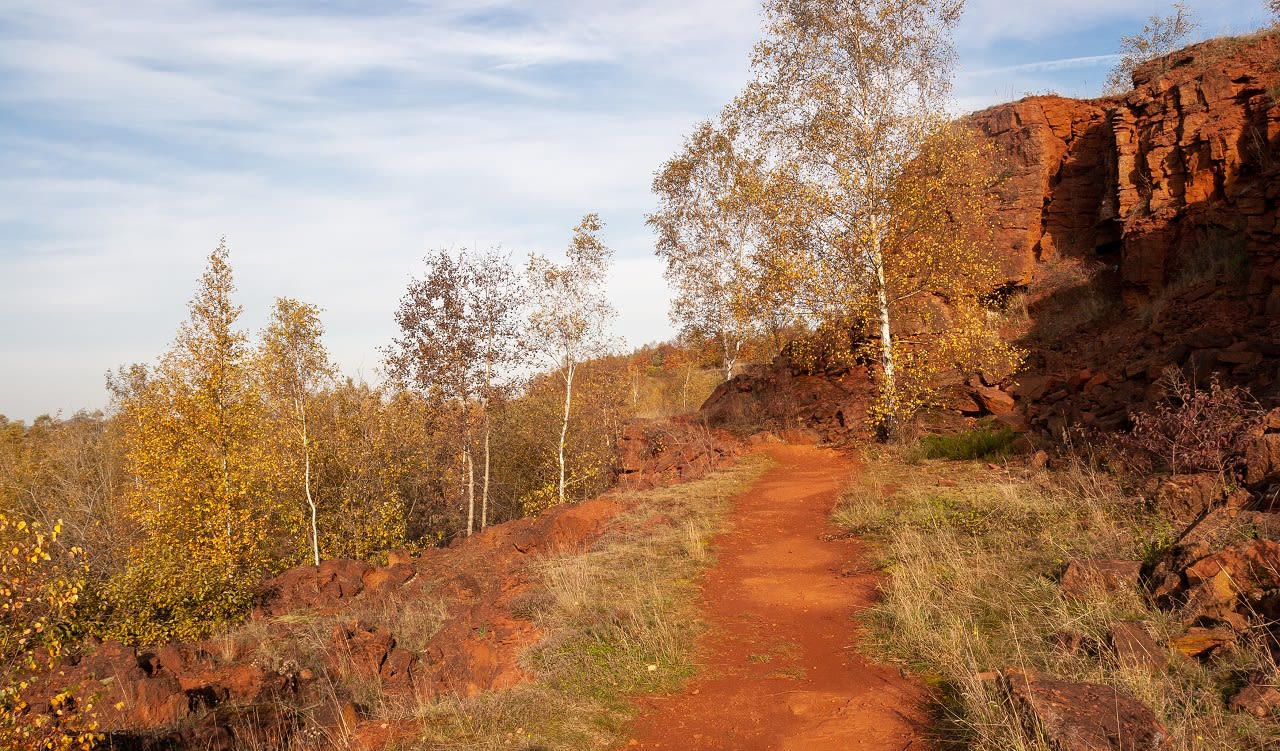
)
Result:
{"points": [[38, 596]]}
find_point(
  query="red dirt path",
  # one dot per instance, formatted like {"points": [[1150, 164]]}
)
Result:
{"points": [[782, 669]]}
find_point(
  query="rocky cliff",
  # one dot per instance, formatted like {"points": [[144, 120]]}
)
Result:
{"points": [[1146, 179], [1140, 236], [1145, 231]]}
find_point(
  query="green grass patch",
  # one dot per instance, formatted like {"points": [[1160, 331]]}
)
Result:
{"points": [[986, 440]]}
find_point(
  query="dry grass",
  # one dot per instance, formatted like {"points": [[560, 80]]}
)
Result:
{"points": [[1070, 295], [619, 621], [974, 556]]}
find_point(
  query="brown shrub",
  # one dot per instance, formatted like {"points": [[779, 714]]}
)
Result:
{"points": [[1192, 429]]}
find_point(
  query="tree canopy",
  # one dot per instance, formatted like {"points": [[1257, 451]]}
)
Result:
{"points": [[837, 182]]}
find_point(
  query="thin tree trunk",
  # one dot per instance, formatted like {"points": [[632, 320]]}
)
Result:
{"points": [[886, 343], [484, 497], [730, 359], [684, 390], [226, 491], [471, 485], [306, 483], [564, 425], [484, 406]]}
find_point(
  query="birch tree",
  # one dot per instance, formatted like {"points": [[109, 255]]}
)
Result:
{"points": [[846, 97], [457, 346], [294, 366], [1160, 36], [705, 237], [200, 480], [571, 315], [494, 297]]}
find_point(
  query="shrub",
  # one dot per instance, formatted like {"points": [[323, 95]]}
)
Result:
{"points": [[1192, 429], [38, 596], [1160, 36]]}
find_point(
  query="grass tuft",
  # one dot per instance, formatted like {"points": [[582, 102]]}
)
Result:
{"points": [[983, 441]]}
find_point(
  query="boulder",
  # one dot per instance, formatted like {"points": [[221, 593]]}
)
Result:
{"points": [[1262, 460], [1201, 642], [1251, 566], [1134, 647], [993, 399], [1231, 584], [306, 587], [781, 396], [1259, 698], [1074, 716], [1032, 387], [1185, 498], [1086, 577], [657, 452], [384, 579]]}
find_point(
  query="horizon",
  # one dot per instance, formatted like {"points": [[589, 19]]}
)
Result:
{"points": [[335, 148]]}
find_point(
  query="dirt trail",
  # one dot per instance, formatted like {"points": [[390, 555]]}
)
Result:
{"points": [[783, 670]]}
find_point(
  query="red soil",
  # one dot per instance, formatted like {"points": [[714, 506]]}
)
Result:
{"points": [[782, 668]]}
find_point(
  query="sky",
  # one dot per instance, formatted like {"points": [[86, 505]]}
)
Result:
{"points": [[334, 143]]}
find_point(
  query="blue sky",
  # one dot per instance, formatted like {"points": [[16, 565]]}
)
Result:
{"points": [[334, 143]]}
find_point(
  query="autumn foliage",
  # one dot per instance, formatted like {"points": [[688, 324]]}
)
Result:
{"points": [[41, 583], [835, 192], [235, 456]]}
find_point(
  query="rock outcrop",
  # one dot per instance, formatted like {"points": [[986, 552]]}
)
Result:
{"points": [[1145, 229], [782, 397], [656, 452], [1074, 716], [1056, 171], [1152, 179]]}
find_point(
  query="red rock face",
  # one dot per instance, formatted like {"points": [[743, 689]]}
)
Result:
{"points": [[1154, 216], [1197, 148], [1054, 157], [1185, 163], [780, 397]]}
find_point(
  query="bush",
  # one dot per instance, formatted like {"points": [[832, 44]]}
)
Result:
{"points": [[1160, 36], [1192, 429], [38, 596], [156, 601]]}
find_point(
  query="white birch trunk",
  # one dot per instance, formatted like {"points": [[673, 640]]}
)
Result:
{"points": [[484, 406], [564, 425], [306, 482], [886, 340], [471, 485], [484, 495]]}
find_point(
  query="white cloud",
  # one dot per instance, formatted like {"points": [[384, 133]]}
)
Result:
{"points": [[1044, 66]]}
